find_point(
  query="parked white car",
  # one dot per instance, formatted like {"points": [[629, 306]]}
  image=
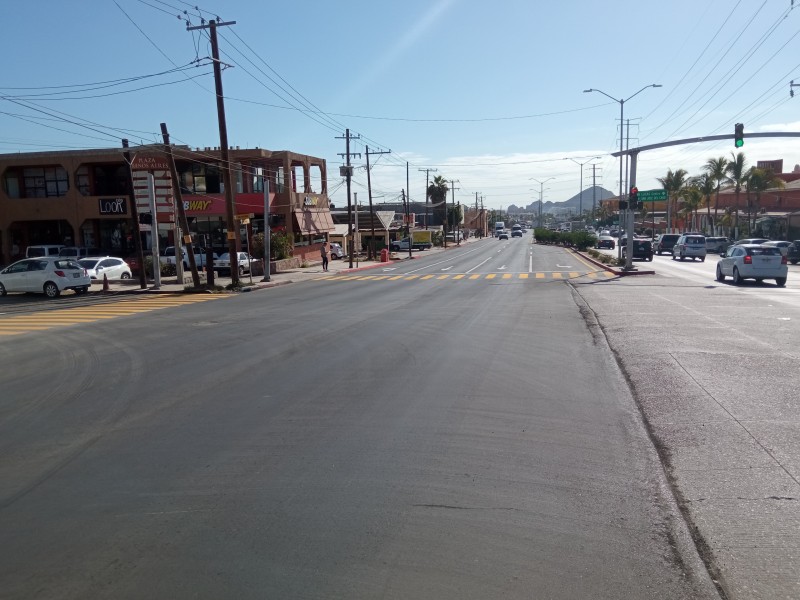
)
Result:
{"points": [[753, 261], [223, 263], [109, 266], [336, 250], [199, 256], [49, 275]]}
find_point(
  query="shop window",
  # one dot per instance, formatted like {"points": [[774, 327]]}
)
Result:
{"points": [[82, 180], [279, 180], [36, 182], [110, 180], [200, 179]]}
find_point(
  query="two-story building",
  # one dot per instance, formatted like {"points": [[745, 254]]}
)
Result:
{"points": [[83, 198]]}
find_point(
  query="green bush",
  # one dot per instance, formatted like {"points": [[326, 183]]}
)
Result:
{"points": [[280, 245], [167, 269]]}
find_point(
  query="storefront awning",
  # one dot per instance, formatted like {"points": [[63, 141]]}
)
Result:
{"points": [[313, 220]]}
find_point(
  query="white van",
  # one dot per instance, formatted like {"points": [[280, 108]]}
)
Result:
{"points": [[43, 250]]}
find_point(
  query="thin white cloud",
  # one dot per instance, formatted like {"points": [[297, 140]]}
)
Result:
{"points": [[384, 61]]}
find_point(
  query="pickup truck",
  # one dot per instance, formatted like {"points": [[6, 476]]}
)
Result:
{"points": [[199, 256], [402, 245]]}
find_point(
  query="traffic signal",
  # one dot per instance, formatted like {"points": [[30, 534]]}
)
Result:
{"points": [[634, 196], [739, 135], [623, 205], [145, 218]]}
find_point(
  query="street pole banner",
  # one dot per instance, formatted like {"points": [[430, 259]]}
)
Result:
{"points": [[141, 166]]}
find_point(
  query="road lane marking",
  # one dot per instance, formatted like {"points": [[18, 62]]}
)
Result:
{"points": [[87, 314]]}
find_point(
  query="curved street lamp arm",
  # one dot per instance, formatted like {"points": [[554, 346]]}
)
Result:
{"points": [[606, 95], [652, 85]]}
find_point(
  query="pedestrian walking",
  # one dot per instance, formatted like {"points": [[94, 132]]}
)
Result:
{"points": [[324, 254]]}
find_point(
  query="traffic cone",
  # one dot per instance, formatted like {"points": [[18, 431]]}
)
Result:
{"points": [[105, 282]]}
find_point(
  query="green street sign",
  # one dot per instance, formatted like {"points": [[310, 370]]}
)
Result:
{"points": [[653, 195]]}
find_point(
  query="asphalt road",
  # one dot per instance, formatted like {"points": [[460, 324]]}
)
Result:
{"points": [[363, 436]]}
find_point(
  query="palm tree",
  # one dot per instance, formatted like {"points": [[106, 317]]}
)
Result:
{"points": [[692, 196], [759, 180], [673, 182], [437, 192], [737, 174], [706, 185], [716, 168]]}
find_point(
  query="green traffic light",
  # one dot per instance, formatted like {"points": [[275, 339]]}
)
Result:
{"points": [[739, 143], [738, 135]]}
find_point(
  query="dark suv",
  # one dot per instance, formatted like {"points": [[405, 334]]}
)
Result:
{"points": [[665, 243], [793, 252], [642, 248]]}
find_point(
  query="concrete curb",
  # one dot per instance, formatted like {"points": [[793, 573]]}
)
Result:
{"points": [[616, 270]]}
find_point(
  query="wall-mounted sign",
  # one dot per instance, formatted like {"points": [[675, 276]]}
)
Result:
{"points": [[149, 163], [197, 205], [113, 206], [309, 201]]}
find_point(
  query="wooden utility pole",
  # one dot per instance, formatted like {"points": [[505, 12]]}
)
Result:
{"points": [[427, 196], [372, 253], [182, 220], [227, 177], [347, 171], [137, 234]]}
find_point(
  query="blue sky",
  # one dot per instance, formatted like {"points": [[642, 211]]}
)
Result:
{"points": [[489, 94]]}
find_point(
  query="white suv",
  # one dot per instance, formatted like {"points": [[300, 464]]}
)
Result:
{"points": [[691, 245]]}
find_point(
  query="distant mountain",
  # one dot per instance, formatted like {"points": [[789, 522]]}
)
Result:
{"points": [[584, 199]]}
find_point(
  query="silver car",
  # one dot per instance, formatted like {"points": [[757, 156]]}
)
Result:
{"points": [[753, 261], [49, 275], [690, 245], [223, 263]]}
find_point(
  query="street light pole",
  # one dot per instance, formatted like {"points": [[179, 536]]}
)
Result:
{"points": [[629, 251], [580, 194], [541, 192]]}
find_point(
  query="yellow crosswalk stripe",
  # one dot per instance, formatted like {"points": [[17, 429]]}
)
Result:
{"points": [[79, 315], [539, 275]]}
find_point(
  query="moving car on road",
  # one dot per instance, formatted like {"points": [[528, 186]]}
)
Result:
{"points": [[690, 245], [49, 275], [717, 244], [605, 241], [793, 252], [753, 261], [502, 235], [665, 243], [783, 246], [642, 248]]}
